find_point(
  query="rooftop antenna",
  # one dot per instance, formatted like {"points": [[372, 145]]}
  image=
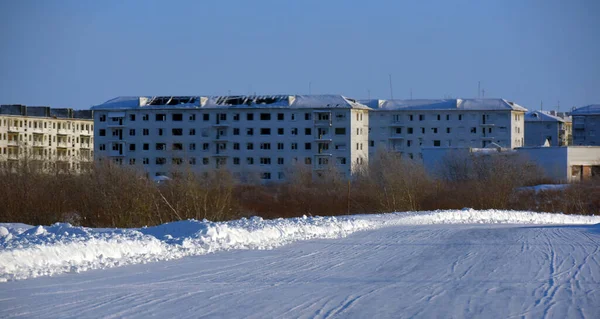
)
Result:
{"points": [[482, 93], [478, 89], [391, 90], [541, 105]]}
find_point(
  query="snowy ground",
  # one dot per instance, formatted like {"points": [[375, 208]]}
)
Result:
{"points": [[428, 264]]}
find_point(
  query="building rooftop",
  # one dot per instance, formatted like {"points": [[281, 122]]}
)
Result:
{"points": [[235, 101], [444, 104], [593, 109], [544, 116], [44, 111]]}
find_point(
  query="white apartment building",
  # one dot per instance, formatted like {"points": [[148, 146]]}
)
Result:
{"points": [[406, 126], [543, 127], [249, 135], [52, 138], [586, 125]]}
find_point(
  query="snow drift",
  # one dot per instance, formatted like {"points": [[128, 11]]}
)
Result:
{"points": [[27, 252]]}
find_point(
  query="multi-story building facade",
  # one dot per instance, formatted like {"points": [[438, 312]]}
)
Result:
{"points": [[586, 125], [406, 126], [249, 135], [52, 138], [544, 128]]}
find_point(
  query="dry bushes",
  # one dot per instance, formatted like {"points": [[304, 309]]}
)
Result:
{"points": [[481, 181], [110, 195]]}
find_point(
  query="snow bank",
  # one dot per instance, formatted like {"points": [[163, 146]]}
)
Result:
{"points": [[41, 251], [27, 252], [544, 187]]}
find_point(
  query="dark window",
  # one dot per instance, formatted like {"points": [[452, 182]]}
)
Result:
{"points": [[249, 146], [421, 117], [236, 131], [250, 117], [145, 131], [206, 117], [131, 132], [307, 146], [102, 132], [249, 131], [265, 131], [192, 131], [236, 116], [265, 116], [177, 117], [436, 143], [280, 131], [161, 117], [145, 117], [132, 117], [161, 146], [280, 117], [160, 131], [146, 146], [177, 132], [340, 131], [236, 146], [307, 116], [265, 146], [132, 147], [177, 146], [307, 131], [160, 161]]}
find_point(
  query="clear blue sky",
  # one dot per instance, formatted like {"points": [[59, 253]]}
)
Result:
{"points": [[81, 53]]}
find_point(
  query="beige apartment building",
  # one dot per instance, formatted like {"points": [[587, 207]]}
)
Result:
{"points": [[49, 138]]}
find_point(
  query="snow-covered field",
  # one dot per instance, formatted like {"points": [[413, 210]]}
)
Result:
{"points": [[426, 264]]}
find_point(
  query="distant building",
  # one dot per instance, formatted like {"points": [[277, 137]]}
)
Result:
{"points": [[407, 126], [586, 125], [249, 135], [47, 137], [543, 126], [561, 164]]}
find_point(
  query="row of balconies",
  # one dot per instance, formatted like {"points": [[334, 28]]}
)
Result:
{"points": [[61, 131]]}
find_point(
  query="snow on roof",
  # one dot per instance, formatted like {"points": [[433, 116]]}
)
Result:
{"points": [[235, 101], [444, 104], [593, 109], [542, 116]]}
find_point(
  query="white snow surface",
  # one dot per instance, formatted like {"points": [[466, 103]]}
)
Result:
{"points": [[439, 264], [28, 252]]}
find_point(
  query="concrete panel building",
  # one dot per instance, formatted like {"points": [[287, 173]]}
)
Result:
{"points": [[407, 126], [48, 137], [553, 127], [586, 125], [249, 135]]}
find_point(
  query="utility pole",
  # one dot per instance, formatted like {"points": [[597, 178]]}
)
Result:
{"points": [[391, 90]]}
